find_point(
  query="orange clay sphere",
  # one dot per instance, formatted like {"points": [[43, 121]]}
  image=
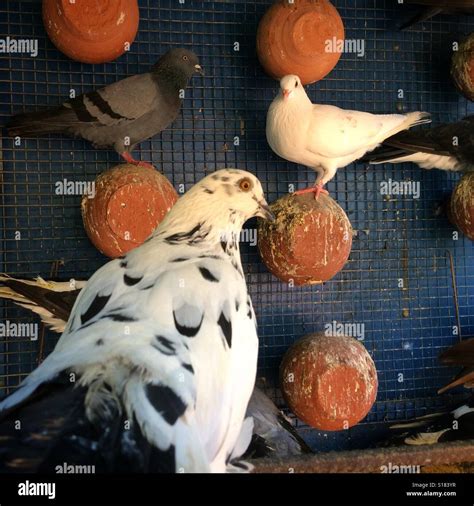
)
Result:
{"points": [[293, 37], [329, 382], [128, 205], [91, 31]]}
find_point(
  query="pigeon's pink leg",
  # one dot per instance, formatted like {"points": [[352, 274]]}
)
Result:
{"points": [[129, 159], [317, 189]]}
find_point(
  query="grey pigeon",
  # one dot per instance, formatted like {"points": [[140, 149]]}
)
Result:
{"points": [[447, 147], [122, 114], [163, 339]]}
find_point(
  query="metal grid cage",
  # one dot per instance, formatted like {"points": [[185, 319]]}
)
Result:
{"points": [[397, 239]]}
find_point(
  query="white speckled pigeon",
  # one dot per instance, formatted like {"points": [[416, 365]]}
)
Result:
{"points": [[122, 114], [325, 137], [273, 433], [447, 147], [161, 350]]}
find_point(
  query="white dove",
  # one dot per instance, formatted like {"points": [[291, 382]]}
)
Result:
{"points": [[162, 343], [325, 137]]}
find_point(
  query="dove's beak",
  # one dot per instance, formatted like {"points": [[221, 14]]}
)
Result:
{"points": [[264, 211], [199, 69], [287, 93]]}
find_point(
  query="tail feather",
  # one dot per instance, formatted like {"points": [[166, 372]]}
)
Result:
{"points": [[49, 121], [383, 154], [411, 119], [52, 301], [415, 119], [465, 378], [461, 354], [425, 438], [423, 15], [55, 432]]}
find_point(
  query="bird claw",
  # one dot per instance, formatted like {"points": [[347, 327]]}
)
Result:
{"points": [[316, 189], [145, 164], [129, 159]]}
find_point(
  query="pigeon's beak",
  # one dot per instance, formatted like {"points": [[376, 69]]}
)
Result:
{"points": [[287, 93], [264, 211], [199, 69]]}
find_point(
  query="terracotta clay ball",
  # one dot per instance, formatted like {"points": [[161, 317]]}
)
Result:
{"points": [[329, 382], [309, 242], [128, 205], [462, 67], [461, 206], [91, 31], [292, 38]]}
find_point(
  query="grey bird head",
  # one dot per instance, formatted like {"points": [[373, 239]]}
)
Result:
{"points": [[178, 63]]}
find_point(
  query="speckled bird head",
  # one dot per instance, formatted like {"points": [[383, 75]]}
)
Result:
{"points": [[223, 201], [238, 190]]}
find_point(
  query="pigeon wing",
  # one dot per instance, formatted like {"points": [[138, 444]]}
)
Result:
{"points": [[336, 133], [118, 103]]}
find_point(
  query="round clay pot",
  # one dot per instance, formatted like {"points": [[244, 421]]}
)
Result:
{"points": [[461, 206], [462, 67], [292, 38], [128, 205], [309, 242], [329, 382], [91, 31]]}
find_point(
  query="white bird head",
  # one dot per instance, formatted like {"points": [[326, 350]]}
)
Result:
{"points": [[223, 200], [291, 87], [236, 190]]}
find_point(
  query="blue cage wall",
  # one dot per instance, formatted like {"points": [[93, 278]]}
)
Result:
{"points": [[399, 238]]}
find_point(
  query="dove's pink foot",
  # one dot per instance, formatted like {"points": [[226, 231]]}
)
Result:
{"points": [[317, 189], [129, 159]]}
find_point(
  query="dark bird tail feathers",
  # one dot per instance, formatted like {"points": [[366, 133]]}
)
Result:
{"points": [[461, 354], [59, 304], [421, 16], [383, 154], [49, 121], [55, 433]]}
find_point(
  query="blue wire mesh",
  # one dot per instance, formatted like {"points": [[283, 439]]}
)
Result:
{"points": [[396, 239]]}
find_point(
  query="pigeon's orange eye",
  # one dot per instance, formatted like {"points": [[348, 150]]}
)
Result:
{"points": [[185, 57], [245, 184]]}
